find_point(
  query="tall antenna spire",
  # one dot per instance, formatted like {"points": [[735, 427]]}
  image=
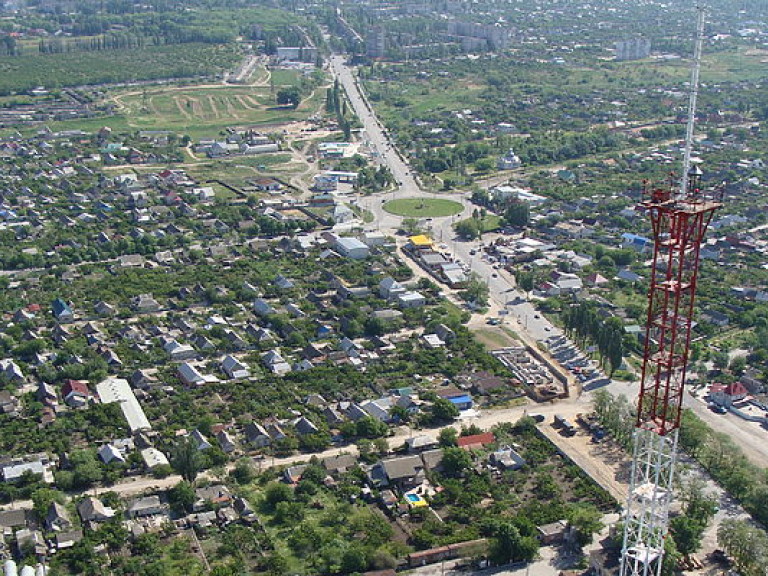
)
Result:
{"points": [[692, 98]]}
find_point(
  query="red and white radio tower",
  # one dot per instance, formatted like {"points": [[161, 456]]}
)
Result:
{"points": [[679, 218]]}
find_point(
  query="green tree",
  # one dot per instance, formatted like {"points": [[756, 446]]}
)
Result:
{"points": [[354, 560], [444, 410], [508, 545], [456, 461], [687, 533], [186, 459], [525, 280], [42, 498], [586, 521], [289, 96], [276, 492], [369, 427], [517, 214], [468, 229], [475, 290], [182, 497], [448, 437], [243, 472], [86, 469]]}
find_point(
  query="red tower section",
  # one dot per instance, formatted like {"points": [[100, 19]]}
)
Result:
{"points": [[679, 224]]}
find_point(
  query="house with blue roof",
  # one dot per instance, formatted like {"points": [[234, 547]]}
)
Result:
{"points": [[62, 311], [636, 242]]}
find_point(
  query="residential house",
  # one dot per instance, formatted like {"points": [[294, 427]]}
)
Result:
{"points": [[57, 518], [628, 275], [110, 453], [717, 318], [420, 443], [727, 395], [379, 408], [410, 300], [216, 495], [11, 519], [146, 506], [234, 368], [262, 308], [339, 464], [275, 432], [431, 341], [153, 458], [554, 533], [104, 309], [476, 441], [403, 472], [257, 435], [597, 280], [505, 458], [351, 248], [458, 398], [225, 442], [445, 333], [304, 426], [636, 242], [389, 288], [145, 303], [76, 393], [92, 509], [189, 375], [62, 311], [275, 362], [68, 539], [179, 351], [200, 440], [9, 404], [243, 508], [17, 471], [11, 371]]}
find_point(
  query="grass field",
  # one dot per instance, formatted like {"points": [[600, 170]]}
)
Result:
{"points": [[423, 207], [199, 111]]}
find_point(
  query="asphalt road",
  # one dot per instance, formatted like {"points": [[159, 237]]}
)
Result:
{"points": [[521, 317]]}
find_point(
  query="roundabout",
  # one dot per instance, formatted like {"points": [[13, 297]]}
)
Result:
{"points": [[423, 207]]}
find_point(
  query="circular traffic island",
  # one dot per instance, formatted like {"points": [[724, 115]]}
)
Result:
{"points": [[423, 207]]}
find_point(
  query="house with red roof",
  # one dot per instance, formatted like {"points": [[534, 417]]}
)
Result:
{"points": [[76, 393], [727, 395], [476, 441]]}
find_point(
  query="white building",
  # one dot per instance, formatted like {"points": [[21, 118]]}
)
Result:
{"points": [[352, 248], [118, 390]]}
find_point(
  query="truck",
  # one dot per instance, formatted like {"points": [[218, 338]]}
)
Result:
{"points": [[566, 427]]}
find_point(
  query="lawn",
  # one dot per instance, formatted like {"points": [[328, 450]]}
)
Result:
{"points": [[423, 207], [200, 111], [494, 338]]}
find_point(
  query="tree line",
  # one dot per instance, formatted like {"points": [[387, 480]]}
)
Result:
{"points": [[718, 454], [584, 325]]}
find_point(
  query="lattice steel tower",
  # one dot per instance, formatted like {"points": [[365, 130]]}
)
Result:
{"points": [[679, 218]]}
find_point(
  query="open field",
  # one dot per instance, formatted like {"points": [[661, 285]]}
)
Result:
{"points": [[494, 338], [202, 111], [423, 207]]}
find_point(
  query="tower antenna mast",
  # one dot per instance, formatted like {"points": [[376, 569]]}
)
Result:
{"points": [[692, 98], [679, 220]]}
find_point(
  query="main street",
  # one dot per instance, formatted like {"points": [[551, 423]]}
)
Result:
{"points": [[501, 286]]}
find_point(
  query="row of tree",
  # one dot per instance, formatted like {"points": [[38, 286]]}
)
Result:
{"points": [[584, 325], [727, 465], [746, 544]]}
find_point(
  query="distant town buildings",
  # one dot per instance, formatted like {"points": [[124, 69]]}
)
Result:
{"points": [[634, 49]]}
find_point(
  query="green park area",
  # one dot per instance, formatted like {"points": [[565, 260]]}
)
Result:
{"points": [[423, 207]]}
